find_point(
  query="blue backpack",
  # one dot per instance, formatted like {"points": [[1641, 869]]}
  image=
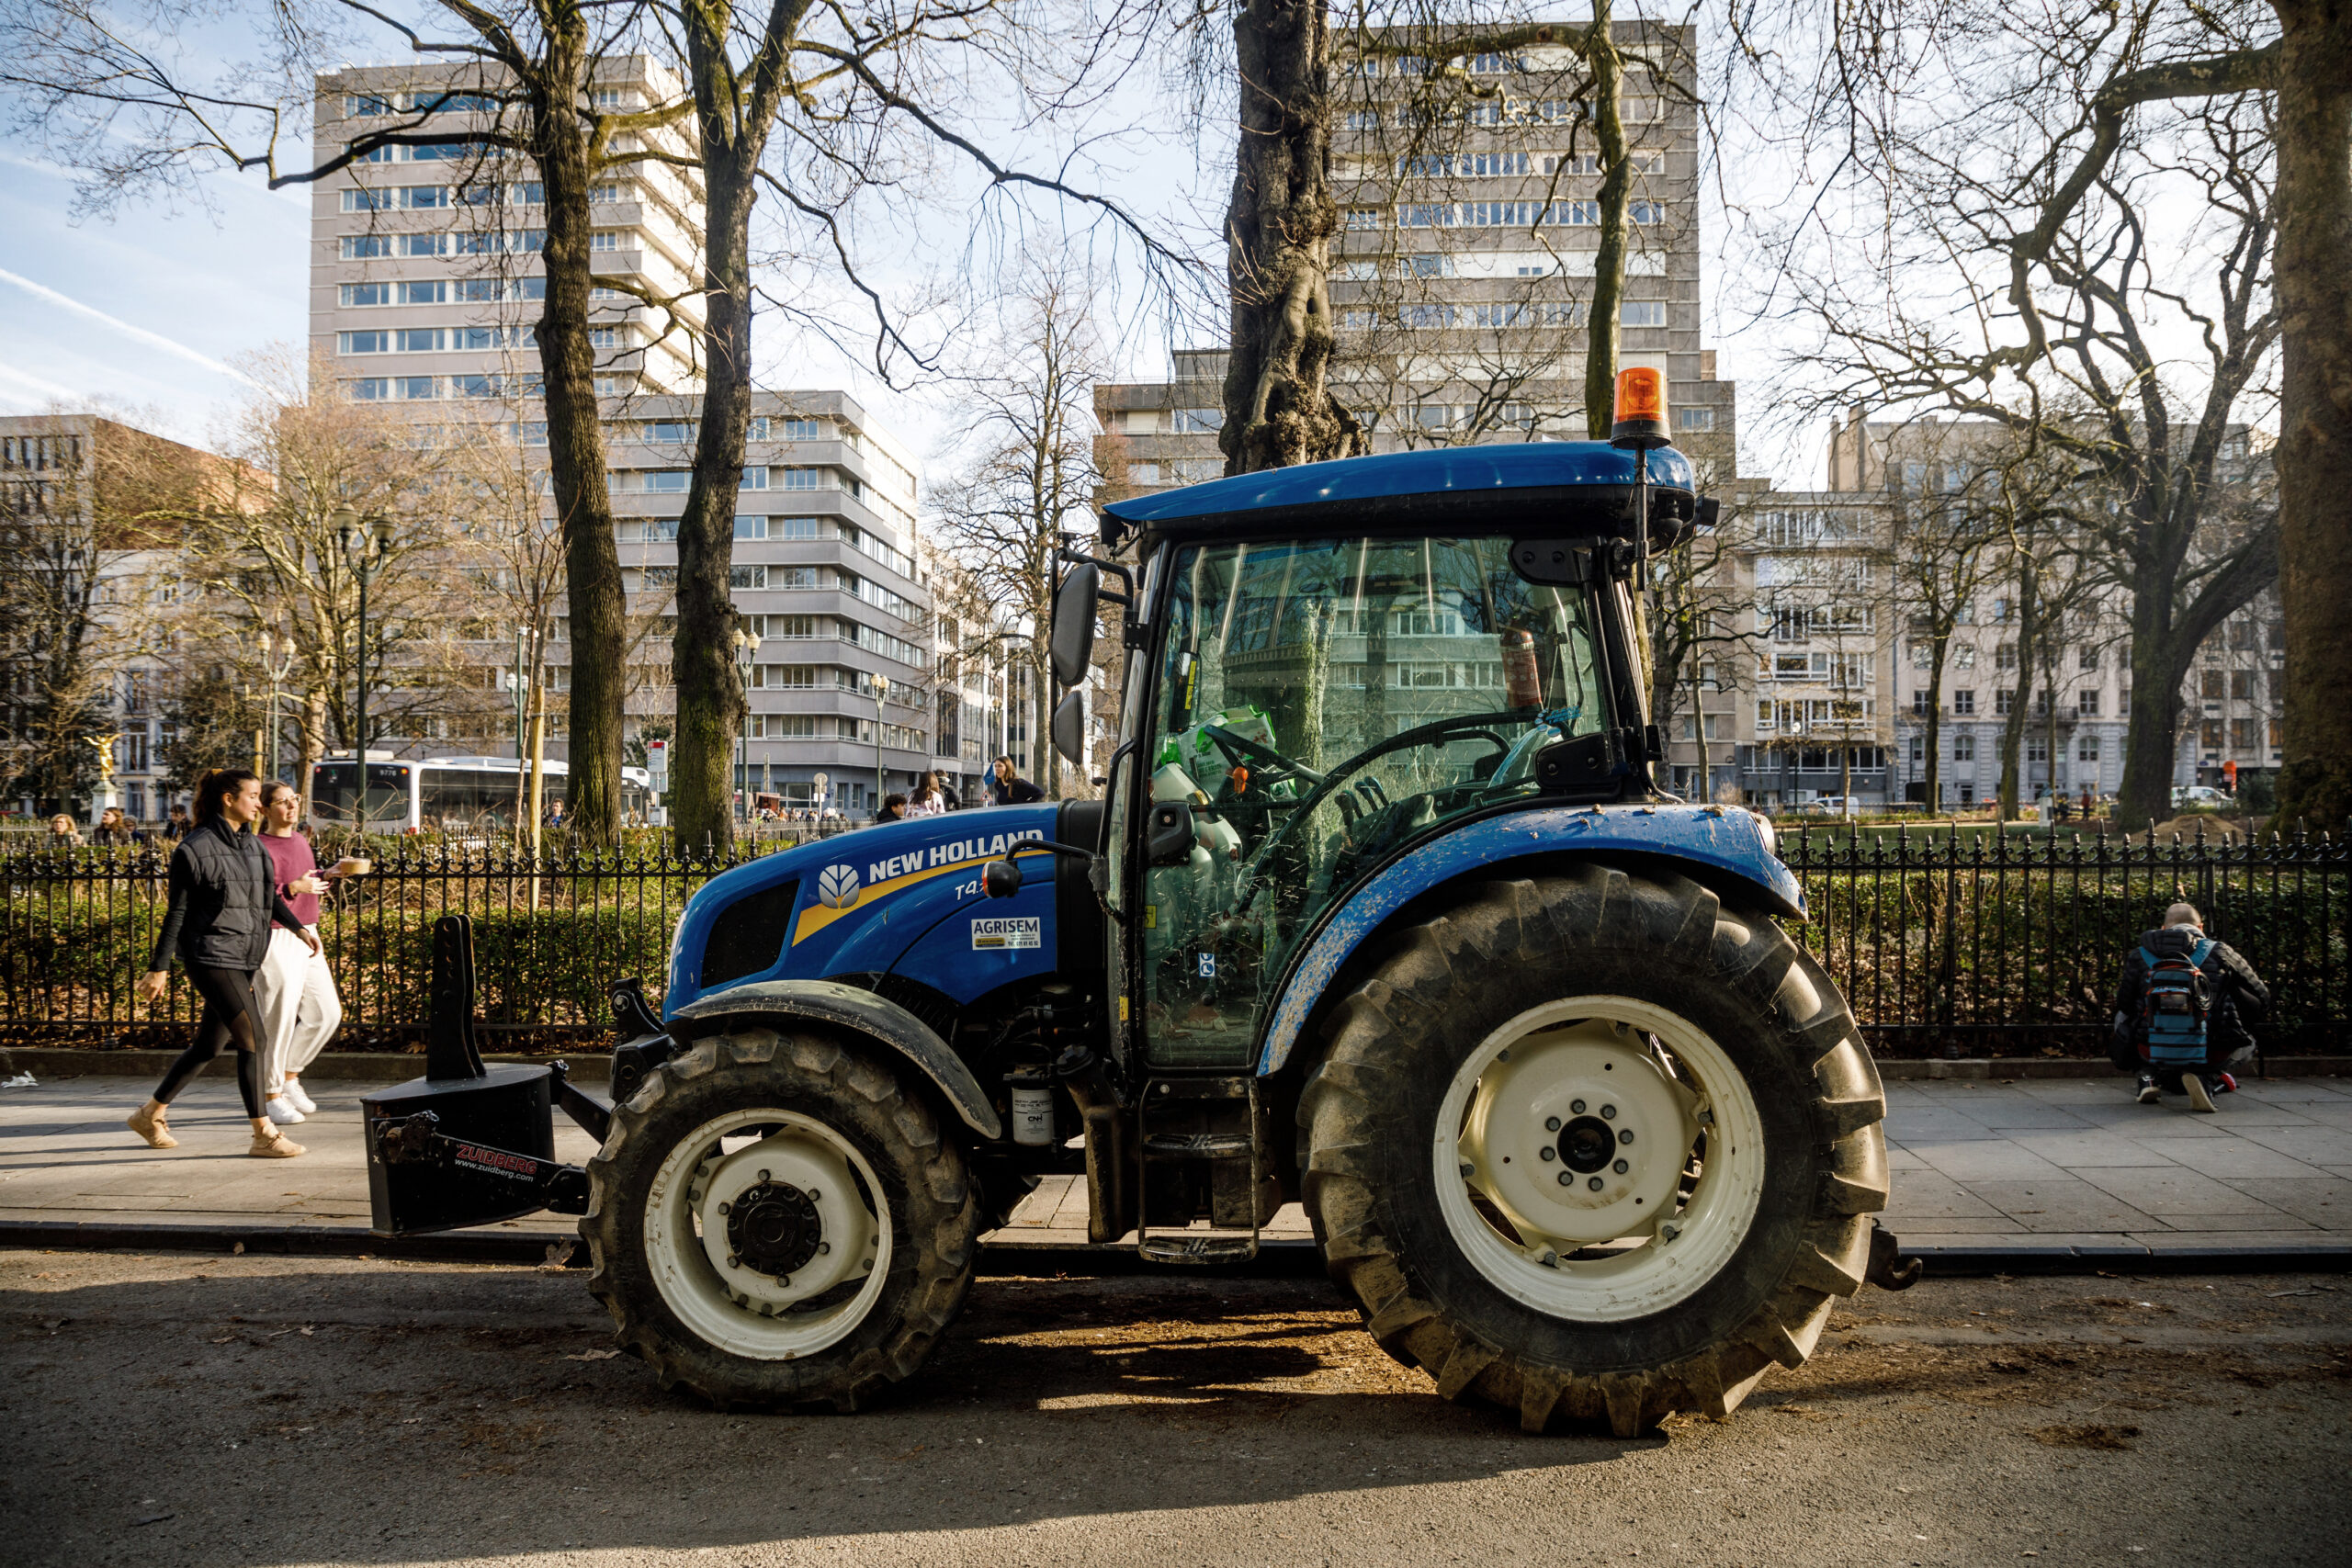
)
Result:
{"points": [[2176, 1005]]}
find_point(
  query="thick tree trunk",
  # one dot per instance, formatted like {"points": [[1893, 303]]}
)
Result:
{"points": [[709, 681], [1278, 412], [576, 447], [2159, 660], [2314, 202]]}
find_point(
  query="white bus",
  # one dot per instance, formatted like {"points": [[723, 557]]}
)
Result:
{"points": [[454, 794]]}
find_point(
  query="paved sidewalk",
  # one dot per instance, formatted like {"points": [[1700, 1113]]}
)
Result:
{"points": [[2048, 1165]]}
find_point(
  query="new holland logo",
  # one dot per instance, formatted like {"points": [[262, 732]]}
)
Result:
{"points": [[838, 889]]}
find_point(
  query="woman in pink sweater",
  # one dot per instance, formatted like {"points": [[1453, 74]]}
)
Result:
{"points": [[295, 989]]}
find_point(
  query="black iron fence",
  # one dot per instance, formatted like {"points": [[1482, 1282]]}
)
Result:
{"points": [[549, 935], [2008, 944], [1991, 945]]}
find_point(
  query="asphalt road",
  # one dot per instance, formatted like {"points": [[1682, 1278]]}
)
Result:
{"points": [[269, 1411]]}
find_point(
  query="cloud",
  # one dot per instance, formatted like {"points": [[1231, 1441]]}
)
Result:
{"points": [[37, 391], [141, 335]]}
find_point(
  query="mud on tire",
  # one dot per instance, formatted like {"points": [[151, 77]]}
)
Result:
{"points": [[925, 1189], [1367, 1122]]}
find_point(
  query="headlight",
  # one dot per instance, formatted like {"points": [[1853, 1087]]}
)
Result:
{"points": [[1771, 839]]}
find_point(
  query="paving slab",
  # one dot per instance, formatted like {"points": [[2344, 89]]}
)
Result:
{"points": [[2040, 1166]]}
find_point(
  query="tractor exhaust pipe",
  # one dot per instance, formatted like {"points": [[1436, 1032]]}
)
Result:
{"points": [[1109, 1177]]}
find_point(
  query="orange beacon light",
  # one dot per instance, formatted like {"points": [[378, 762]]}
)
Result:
{"points": [[1640, 422]]}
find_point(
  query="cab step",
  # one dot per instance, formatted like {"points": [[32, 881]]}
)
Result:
{"points": [[1202, 1111]]}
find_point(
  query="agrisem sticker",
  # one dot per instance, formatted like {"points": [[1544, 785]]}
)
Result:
{"points": [[1005, 930]]}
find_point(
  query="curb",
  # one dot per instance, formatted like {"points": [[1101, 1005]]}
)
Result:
{"points": [[1275, 1260], [595, 1066], [1281, 1259]]}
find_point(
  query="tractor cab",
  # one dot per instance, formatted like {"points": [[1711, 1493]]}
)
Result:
{"points": [[1331, 664]]}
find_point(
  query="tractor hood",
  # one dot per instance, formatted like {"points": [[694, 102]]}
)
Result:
{"points": [[902, 899]]}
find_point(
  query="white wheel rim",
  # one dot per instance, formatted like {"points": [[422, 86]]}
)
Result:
{"points": [[745, 1303], [1526, 1108]]}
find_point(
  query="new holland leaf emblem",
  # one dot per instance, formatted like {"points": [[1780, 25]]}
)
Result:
{"points": [[837, 889]]}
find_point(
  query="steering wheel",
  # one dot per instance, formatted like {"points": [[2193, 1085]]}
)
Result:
{"points": [[1279, 840], [1239, 749]]}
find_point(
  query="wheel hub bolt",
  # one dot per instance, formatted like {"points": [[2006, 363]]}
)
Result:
{"points": [[1551, 1124], [734, 1261], [1594, 1184], [1548, 1153], [764, 1176], [1567, 1179], [724, 1207], [1621, 1168], [1575, 1107], [1469, 1169], [1624, 1134], [1609, 1113]]}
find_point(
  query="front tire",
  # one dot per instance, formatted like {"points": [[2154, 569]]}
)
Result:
{"points": [[1722, 1203], [775, 1219]]}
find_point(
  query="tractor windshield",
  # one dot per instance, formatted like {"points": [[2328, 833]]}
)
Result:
{"points": [[1321, 704]]}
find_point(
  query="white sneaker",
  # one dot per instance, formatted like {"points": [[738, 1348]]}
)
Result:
{"points": [[281, 1111], [292, 1094], [2199, 1097]]}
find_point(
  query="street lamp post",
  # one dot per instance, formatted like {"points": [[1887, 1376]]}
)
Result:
{"points": [[277, 665], [747, 653], [365, 548]]}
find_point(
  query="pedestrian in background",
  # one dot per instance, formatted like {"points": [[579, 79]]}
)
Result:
{"points": [[2183, 1006], [175, 826], [295, 987], [63, 834], [113, 832], [928, 799], [894, 809], [223, 901], [1007, 787]]}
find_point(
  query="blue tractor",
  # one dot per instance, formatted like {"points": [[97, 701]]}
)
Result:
{"points": [[1381, 911]]}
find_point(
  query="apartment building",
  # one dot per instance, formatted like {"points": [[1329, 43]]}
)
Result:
{"points": [[81, 503], [2230, 701], [424, 274], [424, 278], [828, 572], [1461, 278]]}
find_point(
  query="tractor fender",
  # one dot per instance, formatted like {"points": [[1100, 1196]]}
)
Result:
{"points": [[847, 1007], [1723, 848]]}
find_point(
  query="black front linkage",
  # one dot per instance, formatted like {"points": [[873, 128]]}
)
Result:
{"points": [[562, 1189]]}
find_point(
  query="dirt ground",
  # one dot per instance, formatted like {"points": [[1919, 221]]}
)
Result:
{"points": [[269, 1411]]}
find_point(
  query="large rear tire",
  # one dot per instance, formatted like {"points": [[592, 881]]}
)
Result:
{"points": [[775, 1219], [1595, 1145]]}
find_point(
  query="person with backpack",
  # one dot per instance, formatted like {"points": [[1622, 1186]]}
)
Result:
{"points": [[2183, 1011]]}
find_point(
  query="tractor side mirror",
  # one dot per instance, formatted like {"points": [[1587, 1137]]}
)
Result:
{"points": [[1001, 878], [1072, 644], [1169, 837], [1069, 726]]}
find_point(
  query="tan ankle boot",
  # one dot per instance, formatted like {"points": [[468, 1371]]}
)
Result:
{"points": [[275, 1144], [151, 1128]]}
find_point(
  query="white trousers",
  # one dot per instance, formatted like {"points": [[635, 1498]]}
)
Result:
{"points": [[300, 1009]]}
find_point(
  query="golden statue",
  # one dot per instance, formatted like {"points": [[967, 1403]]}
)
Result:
{"points": [[105, 744]]}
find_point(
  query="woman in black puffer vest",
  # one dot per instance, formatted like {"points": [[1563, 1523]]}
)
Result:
{"points": [[223, 900]]}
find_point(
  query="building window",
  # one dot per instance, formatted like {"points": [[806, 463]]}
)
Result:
{"points": [[370, 389], [670, 431], [1963, 703], [2210, 734], [1362, 217], [2087, 704], [791, 528], [753, 478], [2004, 703], [604, 240], [803, 478], [2209, 685], [1647, 211], [1194, 421], [418, 340], [2242, 734], [2088, 657], [2087, 748], [747, 577], [1963, 747], [416, 387], [2242, 685], [426, 291], [362, 199], [359, 294], [750, 527], [1695, 419]]}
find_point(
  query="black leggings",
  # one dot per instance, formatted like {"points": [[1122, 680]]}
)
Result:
{"points": [[230, 1018]]}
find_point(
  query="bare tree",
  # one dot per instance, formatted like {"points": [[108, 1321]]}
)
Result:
{"points": [[1028, 465], [2246, 105], [1698, 622]]}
